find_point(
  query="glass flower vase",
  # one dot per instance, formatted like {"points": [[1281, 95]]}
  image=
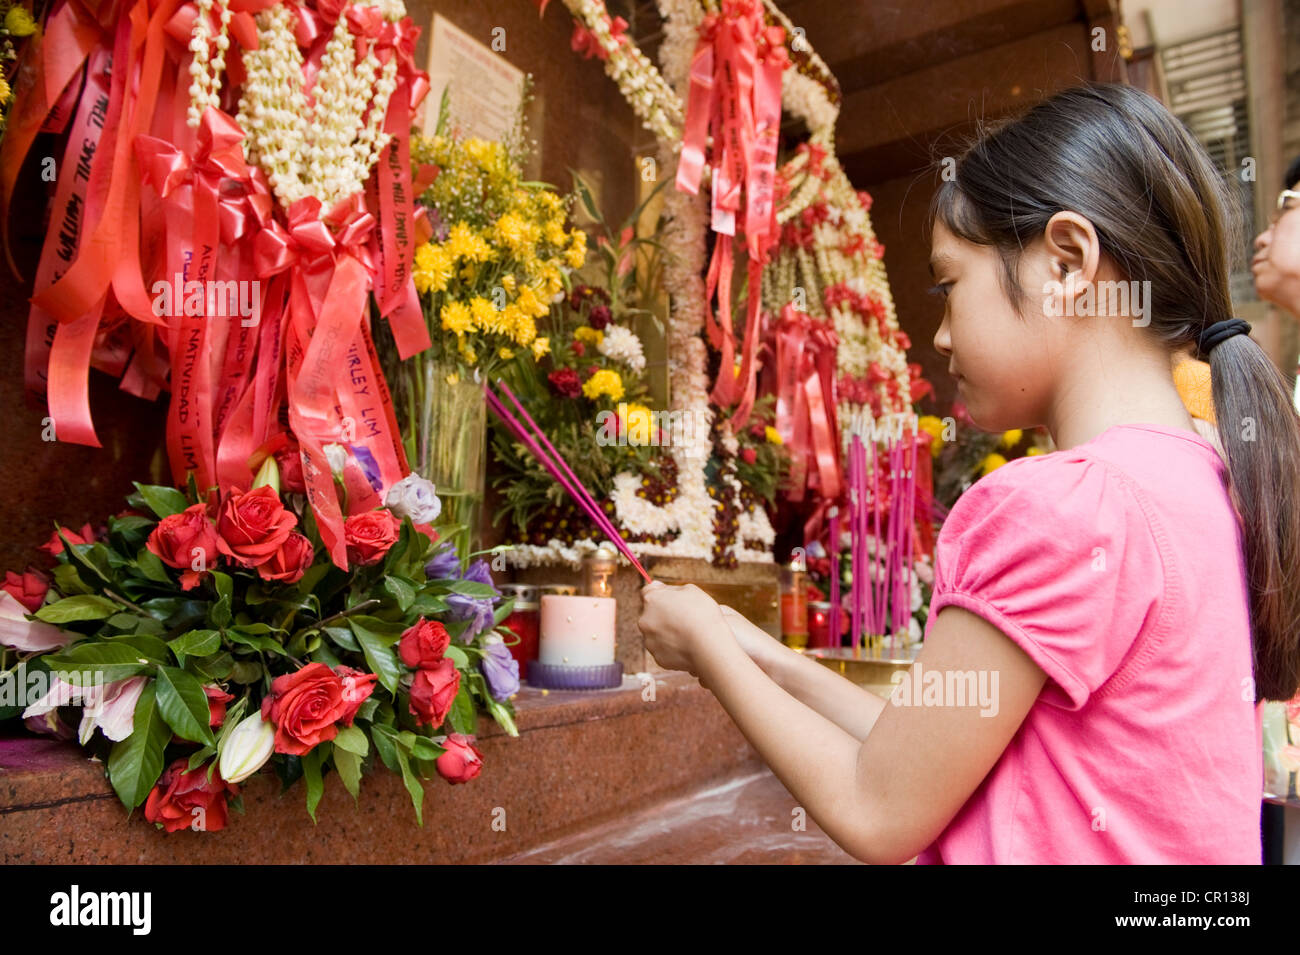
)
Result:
{"points": [[448, 420]]}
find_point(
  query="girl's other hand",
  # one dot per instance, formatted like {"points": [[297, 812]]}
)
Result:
{"points": [[757, 643]]}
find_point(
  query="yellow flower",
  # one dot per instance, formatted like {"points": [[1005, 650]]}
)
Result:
{"points": [[467, 352], [553, 232], [992, 463], [585, 333], [1032, 451], [934, 428], [456, 317], [1011, 438], [636, 420], [576, 256], [506, 353], [452, 378], [434, 267], [508, 283], [773, 436], [464, 243], [18, 22], [522, 327], [4, 88], [541, 346], [604, 382], [486, 316], [530, 304]]}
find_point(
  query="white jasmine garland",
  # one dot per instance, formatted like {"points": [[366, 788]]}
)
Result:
{"points": [[205, 73]]}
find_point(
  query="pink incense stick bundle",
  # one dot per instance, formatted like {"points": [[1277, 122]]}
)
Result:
{"points": [[855, 541], [834, 622], [878, 606], [536, 441]]}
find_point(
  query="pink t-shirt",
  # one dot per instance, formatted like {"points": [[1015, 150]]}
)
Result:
{"points": [[1117, 566]]}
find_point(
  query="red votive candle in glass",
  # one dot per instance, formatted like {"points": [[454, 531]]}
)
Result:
{"points": [[524, 622]]}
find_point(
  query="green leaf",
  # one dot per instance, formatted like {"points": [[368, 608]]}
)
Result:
{"points": [[216, 667], [504, 609], [151, 567], [463, 717], [198, 643], [379, 655], [367, 711], [136, 762], [472, 588], [342, 636], [412, 785], [220, 612], [245, 672], [348, 766], [266, 644], [353, 739], [163, 501], [67, 580], [385, 740], [114, 661], [403, 592], [428, 605], [458, 656], [184, 705], [584, 194], [311, 776], [149, 646], [83, 607], [199, 755]]}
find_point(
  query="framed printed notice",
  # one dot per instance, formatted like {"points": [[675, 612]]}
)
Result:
{"points": [[483, 88]]}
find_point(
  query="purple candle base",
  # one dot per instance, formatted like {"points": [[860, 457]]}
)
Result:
{"points": [[553, 676]]}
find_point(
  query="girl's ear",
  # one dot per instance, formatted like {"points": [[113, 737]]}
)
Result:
{"points": [[1072, 246]]}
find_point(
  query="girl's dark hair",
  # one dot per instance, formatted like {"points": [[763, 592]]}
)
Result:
{"points": [[1165, 215]]}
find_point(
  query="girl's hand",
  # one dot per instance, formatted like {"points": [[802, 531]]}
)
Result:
{"points": [[678, 624]]}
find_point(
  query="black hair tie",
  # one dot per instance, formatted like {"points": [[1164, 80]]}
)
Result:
{"points": [[1218, 332]]}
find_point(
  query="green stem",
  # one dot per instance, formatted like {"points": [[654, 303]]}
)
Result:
{"points": [[321, 624]]}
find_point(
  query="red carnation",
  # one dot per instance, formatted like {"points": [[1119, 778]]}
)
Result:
{"points": [[599, 317], [564, 382]]}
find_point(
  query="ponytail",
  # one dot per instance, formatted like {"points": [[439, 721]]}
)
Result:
{"points": [[1259, 430]]}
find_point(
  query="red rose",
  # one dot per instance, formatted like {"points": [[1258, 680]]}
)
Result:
{"points": [[462, 760], [28, 589], [289, 461], [370, 534], [291, 561], [217, 700], [187, 799], [433, 690], [54, 546], [564, 382], [305, 707], [748, 455], [186, 541], [357, 687], [252, 525], [424, 643]]}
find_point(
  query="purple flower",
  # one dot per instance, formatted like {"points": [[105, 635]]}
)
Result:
{"points": [[499, 667], [477, 610], [369, 466], [444, 565]]}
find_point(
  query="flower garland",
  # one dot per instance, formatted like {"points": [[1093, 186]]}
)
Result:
{"points": [[206, 74], [325, 148]]}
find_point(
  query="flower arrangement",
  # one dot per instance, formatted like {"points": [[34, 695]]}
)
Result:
{"points": [[204, 638], [589, 393], [499, 255]]}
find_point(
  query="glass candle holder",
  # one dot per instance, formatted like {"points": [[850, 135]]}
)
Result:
{"points": [[598, 570], [524, 622], [794, 605]]}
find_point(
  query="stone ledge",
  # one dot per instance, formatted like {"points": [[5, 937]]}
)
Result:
{"points": [[581, 759]]}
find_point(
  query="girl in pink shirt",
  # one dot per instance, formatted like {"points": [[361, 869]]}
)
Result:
{"points": [[1105, 619]]}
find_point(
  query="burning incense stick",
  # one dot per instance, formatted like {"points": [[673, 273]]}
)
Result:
{"points": [[537, 442]]}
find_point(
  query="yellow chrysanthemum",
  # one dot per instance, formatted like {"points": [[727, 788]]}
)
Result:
{"points": [[456, 317], [992, 463], [773, 436], [506, 353], [464, 243], [4, 88], [467, 352], [18, 22], [508, 283], [585, 333], [575, 256], [541, 346], [636, 420], [1011, 438], [934, 428], [530, 304], [434, 267], [1032, 451], [553, 232], [487, 318], [604, 382], [524, 330]]}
